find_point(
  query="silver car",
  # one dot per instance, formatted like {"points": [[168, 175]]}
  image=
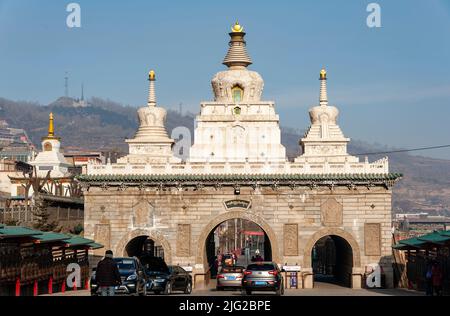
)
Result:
{"points": [[230, 277], [263, 276]]}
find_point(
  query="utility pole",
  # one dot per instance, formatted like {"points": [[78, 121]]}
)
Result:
{"points": [[242, 233], [66, 85], [235, 233]]}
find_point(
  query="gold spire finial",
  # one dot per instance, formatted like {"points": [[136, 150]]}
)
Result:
{"points": [[151, 75], [237, 28], [323, 74], [51, 128]]}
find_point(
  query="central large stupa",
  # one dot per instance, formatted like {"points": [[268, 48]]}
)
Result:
{"points": [[237, 126]]}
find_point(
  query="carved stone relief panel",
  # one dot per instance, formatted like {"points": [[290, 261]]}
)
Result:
{"points": [[331, 213], [372, 239], [291, 240], [102, 235], [184, 240]]}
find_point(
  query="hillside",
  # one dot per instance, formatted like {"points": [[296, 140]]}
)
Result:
{"points": [[104, 125]]}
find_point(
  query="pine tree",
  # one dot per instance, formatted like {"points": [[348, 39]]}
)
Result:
{"points": [[39, 209], [42, 215]]}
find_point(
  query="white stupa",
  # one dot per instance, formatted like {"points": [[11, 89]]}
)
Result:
{"points": [[237, 126], [324, 140], [50, 158], [151, 144]]}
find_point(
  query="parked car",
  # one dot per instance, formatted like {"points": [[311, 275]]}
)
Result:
{"points": [[166, 279], [230, 277], [132, 275], [263, 276]]}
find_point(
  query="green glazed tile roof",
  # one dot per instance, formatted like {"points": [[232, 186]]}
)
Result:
{"points": [[94, 245], [414, 242], [17, 231], [435, 237], [237, 177], [77, 241], [81, 241], [50, 237], [46, 237], [402, 247]]}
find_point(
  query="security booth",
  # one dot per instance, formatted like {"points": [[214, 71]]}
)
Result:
{"points": [[33, 262], [292, 279], [188, 269]]}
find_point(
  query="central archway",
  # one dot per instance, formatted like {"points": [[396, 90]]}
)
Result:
{"points": [[242, 239], [201, 257]]}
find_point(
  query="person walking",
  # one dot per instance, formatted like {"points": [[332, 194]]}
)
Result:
{"points": [[215, 268], [437, 276], [234, 257], [258, 257], [107, 275]]}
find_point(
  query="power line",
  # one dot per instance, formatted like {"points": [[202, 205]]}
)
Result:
{"points": [[402, 150], [382, 152]]}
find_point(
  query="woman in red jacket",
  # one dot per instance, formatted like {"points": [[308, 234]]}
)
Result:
{"points": [[437, 276]]}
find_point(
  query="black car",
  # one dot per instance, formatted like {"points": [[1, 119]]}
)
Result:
{"points": [[166, 279], [263, 276], [132, 275]]}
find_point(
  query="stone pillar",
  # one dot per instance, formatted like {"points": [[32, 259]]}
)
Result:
{"points": [[199, 276], [308, 278], [356, 278]]}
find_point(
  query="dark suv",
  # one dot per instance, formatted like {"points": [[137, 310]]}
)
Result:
{"points": [[132, 275], [165, 279], [263, 276]]}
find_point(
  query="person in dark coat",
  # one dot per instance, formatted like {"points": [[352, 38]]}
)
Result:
{"points": [[107, 275]]}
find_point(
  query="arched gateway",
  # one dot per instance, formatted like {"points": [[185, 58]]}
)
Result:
{"points": [[127, 238], [258, 220], [336, 254], [237, 168], [356, 259]]}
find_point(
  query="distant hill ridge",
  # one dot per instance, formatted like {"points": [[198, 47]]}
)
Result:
{"points": [[104, 125]]}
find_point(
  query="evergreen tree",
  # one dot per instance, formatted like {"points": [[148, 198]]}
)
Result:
{"points": [[42, 216]]}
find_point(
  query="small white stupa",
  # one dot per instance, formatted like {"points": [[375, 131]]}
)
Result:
{"points": [[50, 158], [151, 144], [324, 141]]}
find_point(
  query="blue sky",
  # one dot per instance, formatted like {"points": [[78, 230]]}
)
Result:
{"points": [[391, 84]]}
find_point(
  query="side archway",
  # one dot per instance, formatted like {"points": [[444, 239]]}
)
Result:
{"points": [[157, 236], [243, 214], [331, 232]]}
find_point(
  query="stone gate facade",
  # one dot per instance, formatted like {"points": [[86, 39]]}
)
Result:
{"points": [[237, 168]]}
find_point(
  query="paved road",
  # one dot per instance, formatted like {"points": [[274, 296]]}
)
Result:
{"points": [[321, 289]]}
